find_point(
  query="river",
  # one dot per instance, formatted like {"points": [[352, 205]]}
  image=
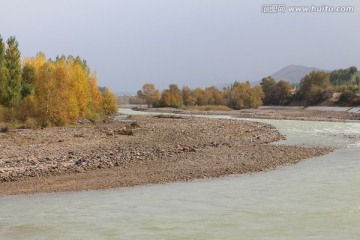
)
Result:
{"points": [[315, 199]]}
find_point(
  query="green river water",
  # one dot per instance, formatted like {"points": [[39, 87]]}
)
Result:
{"points": [[318, 198]]}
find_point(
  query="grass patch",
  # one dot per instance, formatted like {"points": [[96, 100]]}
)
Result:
{"points": [[206, 108]]}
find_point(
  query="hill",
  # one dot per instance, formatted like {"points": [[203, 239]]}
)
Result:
{"points": [[294, 73]]}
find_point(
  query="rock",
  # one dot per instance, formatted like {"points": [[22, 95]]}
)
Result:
{"points": [[84, 121], [124, 131], [4, 130], [80, 162], [110, 133], [135, 125], [192, 149], [79, 135]]}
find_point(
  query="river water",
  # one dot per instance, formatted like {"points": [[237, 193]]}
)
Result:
{"points": [[316, 199]]}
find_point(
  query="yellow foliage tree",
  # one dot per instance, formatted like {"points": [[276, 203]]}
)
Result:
{"points": [[96, 97], [172, 97], [241, 95], [56, 91], [109, 103], [65, 91], [80, 84]]}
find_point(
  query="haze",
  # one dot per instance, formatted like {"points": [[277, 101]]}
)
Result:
{"points": [[188, 42]]}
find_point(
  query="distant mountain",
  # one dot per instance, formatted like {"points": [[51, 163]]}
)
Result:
{"points": [[294, 73], [291, 73]]}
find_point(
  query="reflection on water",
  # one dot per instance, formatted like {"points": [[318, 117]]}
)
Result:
{"points": [[315, 199]]}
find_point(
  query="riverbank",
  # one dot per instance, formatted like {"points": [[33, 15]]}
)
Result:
{"points": [[140, 150], [271, 113]]}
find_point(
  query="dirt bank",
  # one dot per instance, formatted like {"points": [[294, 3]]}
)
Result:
{"points": [[142, 150]]}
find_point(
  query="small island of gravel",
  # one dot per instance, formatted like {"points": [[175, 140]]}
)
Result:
{"points": [[139, 150]]}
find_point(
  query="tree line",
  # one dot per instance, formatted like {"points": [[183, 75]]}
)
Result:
{"points": [[237, 96], [314, 88], [49, 92]]}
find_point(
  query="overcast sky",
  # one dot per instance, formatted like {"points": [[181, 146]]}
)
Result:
{"points": [[188, 42]]}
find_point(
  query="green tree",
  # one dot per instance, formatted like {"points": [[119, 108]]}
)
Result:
{"points": [[282, 93], [28, 80], [13, 65], [343, 76], [268, 85], [4, 76]]}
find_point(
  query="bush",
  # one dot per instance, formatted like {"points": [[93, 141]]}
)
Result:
{"points": [[350, 94]]}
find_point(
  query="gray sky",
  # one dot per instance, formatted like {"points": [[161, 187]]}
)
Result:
{"points": [[188, 42]]}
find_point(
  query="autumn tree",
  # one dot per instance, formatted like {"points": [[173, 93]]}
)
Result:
{"points": [[200, 96], [65, 90], [109, 103], [64, 104], [52, 92], [36, 62], [80, 84], [315, 87], [187, 96], [96, 96], [149, 94], [44, 91], [241, 95], [30, 83], [171, 97], [257, 96], [214, 96], [55, 101]]}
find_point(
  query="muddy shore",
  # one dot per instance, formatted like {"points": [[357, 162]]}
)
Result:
{"points": [[141, 150], [282, 114]]}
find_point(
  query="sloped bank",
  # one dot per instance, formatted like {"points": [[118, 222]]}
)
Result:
{"points": [[140, 150]]}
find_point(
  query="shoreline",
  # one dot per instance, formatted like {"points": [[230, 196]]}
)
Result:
{"points": [[270, 113], [139, 151]]}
